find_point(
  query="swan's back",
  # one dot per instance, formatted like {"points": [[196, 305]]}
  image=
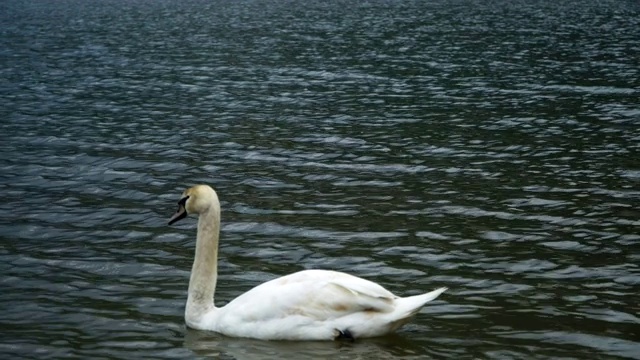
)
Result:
{"points": [[315, 304]]}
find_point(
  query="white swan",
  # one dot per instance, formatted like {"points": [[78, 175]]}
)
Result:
{"points": [[307, 305]]}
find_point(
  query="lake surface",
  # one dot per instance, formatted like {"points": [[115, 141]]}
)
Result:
{"points": [[492, 147]]}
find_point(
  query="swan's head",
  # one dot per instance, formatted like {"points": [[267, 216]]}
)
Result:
{"points": [[195, 200]]}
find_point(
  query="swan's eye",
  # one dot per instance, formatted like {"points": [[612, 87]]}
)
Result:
{"points": [[183, 201]]}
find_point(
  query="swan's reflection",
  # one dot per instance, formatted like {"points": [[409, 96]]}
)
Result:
{"points": [[209, 344]]}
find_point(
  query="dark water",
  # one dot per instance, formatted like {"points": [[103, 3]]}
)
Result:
{"points": [[489, 146]]}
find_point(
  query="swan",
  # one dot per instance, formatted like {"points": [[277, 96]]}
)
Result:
{"points": [[306, 305]]}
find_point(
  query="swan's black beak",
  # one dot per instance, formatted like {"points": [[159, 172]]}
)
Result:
{"points": [[181, 213]]}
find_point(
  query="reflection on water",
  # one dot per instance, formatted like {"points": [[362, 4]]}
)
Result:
{"points": [[491, 148], [213, 345]]}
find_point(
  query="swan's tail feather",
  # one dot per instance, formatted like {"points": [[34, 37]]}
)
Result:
{"points": [[409, 306]]}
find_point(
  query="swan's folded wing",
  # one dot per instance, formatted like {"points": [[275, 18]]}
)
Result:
{"points": [[312, 294], [339, 298], [363, 287]]}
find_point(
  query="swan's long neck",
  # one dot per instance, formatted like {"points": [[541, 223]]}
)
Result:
{"points": [[204, 272]]}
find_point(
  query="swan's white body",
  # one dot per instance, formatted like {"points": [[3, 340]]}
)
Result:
{"points": [[307, 305]]}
